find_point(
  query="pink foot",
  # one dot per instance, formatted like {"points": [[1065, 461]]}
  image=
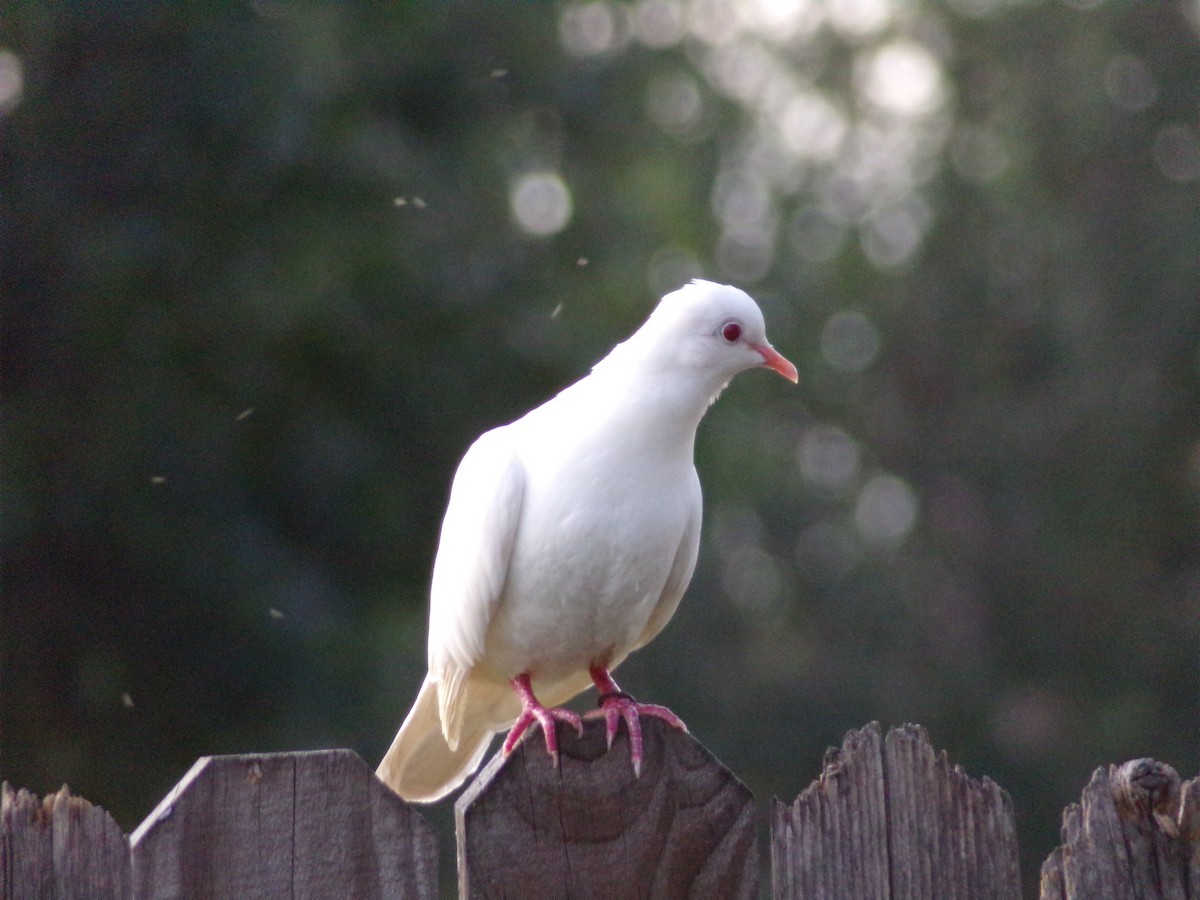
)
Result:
{"points": [[533, 711], [616, 705]]}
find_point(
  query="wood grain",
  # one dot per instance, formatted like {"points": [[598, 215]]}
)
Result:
{"points": [[1133, 835], [887, 818], [283, 825], [590, 829], [891, 819], [60, 846]]}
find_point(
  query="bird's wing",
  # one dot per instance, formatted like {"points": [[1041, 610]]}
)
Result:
{"points": [[471, 567], [681, 571]]}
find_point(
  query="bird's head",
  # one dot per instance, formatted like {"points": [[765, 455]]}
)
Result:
{"points": [[713, 328]]}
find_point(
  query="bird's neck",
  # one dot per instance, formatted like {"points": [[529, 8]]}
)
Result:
{"points": [[657, 408]]}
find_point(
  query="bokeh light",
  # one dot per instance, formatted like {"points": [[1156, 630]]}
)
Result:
{"points": [[660, 23], [675, 104], [885, 511], [829, 458], [12, 81], [1177, 152], [1129, 83], [541, 203], [594, 28], [670, 267], [849, 341], [902, 78]]}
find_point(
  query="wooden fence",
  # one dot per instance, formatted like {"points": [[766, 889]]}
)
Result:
{"points": [[887, 818]]}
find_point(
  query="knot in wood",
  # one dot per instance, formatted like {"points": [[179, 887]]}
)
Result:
{"points": [[1147, 789]]}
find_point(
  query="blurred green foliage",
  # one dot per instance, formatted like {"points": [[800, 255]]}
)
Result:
{"points": [[266, 275]]}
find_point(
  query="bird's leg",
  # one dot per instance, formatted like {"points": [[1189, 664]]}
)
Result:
{"points": [[533, 711], [616, 705]]}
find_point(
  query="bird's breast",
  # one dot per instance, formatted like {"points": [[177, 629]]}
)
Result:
{"points": [[593, 552]]}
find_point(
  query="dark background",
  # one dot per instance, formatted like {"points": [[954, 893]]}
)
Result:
{"points": [[264, 279]]}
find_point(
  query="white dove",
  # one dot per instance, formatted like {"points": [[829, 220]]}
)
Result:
{"points": [[568, 541]]}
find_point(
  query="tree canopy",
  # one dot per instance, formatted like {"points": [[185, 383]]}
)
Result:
{"points": [[269, 268]]}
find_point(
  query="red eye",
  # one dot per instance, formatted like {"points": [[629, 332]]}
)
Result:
{"points": [[731, 331]]}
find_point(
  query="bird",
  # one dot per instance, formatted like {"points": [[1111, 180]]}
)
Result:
{"points": [[567, 543]]}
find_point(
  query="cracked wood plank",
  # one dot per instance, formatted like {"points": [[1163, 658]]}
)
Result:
{"points": [[60, 846], [265, 825], [590, 829], [890, 819], [1134, 835]]}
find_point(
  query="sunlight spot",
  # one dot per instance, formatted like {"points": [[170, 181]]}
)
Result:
{"points": [[812, 126], [827, 551], [849, 342], [749, 574], [751, 578], [893, 235], [814, 237], [859, 18], [902, 77], [1177, 153], [746, 254], [1130, 84], [828, 457], [713, 21], [675, 104], [886, 511], [844, 199], [1193, 468], [590, 29], [743, 70], [740, 199], [779, 20], [659, 23], [541, 203], [976, 9], [12, 81], [670, 267], [1029, 721], [977, 154]]}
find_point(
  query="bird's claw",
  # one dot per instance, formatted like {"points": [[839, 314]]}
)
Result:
{"points": [[618, 706], [547, 718], [615, 706]]}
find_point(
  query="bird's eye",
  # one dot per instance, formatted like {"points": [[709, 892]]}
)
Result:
{"points": [[731, 331]]}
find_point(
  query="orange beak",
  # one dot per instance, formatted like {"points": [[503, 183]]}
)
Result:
{"points": [[773, 360]]}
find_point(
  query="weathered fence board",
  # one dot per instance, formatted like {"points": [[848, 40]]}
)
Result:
{"points": [[889, 818], [260, 825], [60, 846], [1134, 835], [591, 829], [283, 825]]}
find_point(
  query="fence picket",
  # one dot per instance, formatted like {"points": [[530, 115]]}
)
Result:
{"points": [[60, 846], [890, 818], [1134, 834], [685, 828], [283, 825], [887, 818]]}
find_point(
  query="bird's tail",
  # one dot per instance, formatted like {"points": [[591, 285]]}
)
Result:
{"points": [[420, 766]]}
